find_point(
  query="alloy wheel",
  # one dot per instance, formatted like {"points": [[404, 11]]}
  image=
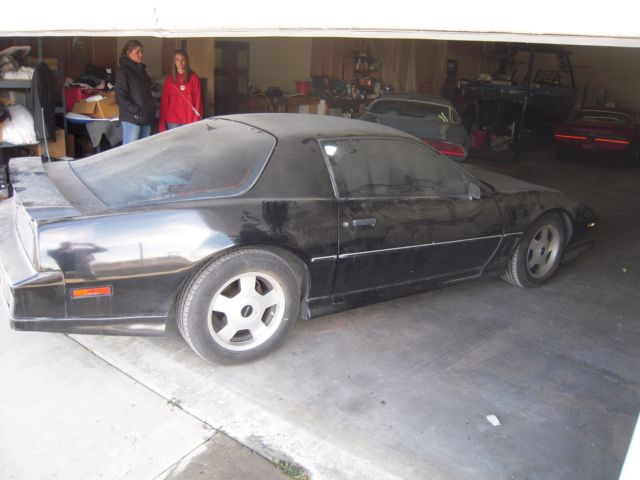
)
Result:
{"points": [[543, 251], [246, 311]]}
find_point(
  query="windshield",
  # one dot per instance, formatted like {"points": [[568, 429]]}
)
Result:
{"points": [[211, 158], [415, 109], [604, 116]]}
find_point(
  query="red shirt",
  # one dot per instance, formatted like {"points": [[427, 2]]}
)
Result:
{"points": [[177, 100]]}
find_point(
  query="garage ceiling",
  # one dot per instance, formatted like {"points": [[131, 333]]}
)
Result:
{"points": [[545, 21]]}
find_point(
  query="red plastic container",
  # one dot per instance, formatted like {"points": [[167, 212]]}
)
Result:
{"points": [[303, 87], [73, 94], [478, 139]]}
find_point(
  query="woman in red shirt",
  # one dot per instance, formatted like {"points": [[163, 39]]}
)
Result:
{"points": [[181, 101]]}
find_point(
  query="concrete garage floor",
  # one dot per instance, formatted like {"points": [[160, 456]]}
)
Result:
{"points": [[395, 390]]}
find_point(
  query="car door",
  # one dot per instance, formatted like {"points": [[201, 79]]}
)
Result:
{"points": [[405, 215]]}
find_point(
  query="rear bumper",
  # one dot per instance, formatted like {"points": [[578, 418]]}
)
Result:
{"points": [[593, 147], [138, 326], [23, 290], [36, 301]]}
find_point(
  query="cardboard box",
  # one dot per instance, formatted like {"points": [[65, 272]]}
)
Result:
{"points": [[105, 108], [57, 149], [72, 95]]}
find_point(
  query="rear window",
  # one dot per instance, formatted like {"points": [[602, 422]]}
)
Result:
{"points": [[211, 158], [603, 116], [415, 109]]}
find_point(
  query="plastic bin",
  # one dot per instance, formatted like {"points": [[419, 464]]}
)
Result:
{"points": [[303, 87]]}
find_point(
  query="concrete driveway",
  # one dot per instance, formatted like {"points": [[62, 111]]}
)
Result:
{"points": [[399, 389]]}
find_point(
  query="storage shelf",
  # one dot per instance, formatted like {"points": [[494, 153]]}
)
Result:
{"points": [[16, 84]]}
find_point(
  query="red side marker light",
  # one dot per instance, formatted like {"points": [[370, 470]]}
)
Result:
{"points": [[91, 292]]}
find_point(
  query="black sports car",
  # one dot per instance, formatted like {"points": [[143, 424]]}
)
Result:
{"points": [[238, 225]]}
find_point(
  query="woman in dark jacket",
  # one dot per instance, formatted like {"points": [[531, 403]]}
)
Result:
{"points": [[133, 94]]}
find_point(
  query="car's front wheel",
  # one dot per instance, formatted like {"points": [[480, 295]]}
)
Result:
{"points": [[539, 252], [240, 306]]}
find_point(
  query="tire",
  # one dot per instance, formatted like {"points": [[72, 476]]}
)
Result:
{"points": [[539, 252], [239, 307]]}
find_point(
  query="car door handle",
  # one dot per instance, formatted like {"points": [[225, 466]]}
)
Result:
{"points": [[361, 223]]}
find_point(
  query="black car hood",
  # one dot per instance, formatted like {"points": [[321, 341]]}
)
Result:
{"points": [[504, 183]]}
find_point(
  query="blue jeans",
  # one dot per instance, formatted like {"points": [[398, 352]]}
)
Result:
{"points": [[132, 132], [171, 125]]}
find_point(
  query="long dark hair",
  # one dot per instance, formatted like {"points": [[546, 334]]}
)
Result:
{"points": [[130, 46], [187, 69]]}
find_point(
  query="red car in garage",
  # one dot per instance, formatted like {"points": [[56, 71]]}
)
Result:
{"points": [[602, 131]]}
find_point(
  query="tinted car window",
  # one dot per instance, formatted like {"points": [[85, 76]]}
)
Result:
{"points": [[215, 157], [604, 116], [415, 109], [368, 167]]}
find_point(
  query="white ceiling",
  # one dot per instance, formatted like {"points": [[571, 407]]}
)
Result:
{"points": [[613, 23]]}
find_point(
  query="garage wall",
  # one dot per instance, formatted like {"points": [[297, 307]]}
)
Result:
{"points": [[473, 58], [333, 57], [616, 70], [407, 65], [278, 62], [426, 65], [431, 57]]}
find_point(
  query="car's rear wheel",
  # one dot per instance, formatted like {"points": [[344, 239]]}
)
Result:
{"points": [[539, 252], [240, 306]]}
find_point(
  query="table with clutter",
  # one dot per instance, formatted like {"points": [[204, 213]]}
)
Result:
{"points": [[94, 111]]}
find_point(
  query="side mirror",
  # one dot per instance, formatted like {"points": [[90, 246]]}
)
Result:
{"points": [[474, 191]]}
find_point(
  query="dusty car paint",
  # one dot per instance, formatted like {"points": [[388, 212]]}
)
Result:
{"points": [[146, 253]]}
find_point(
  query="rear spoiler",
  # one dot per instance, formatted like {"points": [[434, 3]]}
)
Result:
{"points": [[36, 191]]}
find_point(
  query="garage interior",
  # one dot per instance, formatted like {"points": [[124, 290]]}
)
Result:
{"points": [[339, 76], [400, 389]]}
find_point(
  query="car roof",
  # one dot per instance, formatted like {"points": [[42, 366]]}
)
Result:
{"points": [[416, 97], [283, 125]]}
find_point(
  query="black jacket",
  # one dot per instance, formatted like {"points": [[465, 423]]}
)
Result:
{"points": [[133, 93]]}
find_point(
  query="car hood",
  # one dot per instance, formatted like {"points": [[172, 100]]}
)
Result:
{"points": [[504, 183]]}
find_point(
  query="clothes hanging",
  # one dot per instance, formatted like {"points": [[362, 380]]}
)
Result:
{"points": [[43, 101]]}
